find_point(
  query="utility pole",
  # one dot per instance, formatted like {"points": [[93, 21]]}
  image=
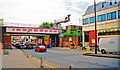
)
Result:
{"points": [[95, 27]]}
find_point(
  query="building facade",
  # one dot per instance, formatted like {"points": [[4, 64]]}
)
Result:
{"points": [[108, 22], [76, 40]]}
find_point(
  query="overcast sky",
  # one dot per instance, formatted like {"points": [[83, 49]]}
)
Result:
{"points": [[38, 11]]}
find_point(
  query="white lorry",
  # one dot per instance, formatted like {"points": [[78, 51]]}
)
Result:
{"points": [[110, 44]]}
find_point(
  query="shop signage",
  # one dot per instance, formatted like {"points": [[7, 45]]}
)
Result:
{"points": [[70, 38]]}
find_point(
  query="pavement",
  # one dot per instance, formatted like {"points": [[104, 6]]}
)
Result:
{"points": [[16, 59], [103, 55], [21, 59], [91, 52]]}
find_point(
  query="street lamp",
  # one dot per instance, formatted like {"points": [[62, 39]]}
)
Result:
{"points": [[95, 27]]}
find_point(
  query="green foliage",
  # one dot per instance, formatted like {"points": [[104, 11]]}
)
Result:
{"points": [[46, 25], [73, 33], [13, 38], [65, 39], [6, 52]]}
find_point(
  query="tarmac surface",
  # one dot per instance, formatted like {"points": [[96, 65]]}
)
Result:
{"points": [[55, 58], [66, 57]]}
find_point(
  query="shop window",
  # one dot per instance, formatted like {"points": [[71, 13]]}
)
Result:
{"points": [[86, 36]]}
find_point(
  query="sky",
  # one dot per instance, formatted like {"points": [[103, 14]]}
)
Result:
{"points": [[39, 11]]}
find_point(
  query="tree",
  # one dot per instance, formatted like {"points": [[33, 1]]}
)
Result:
{"points": [[51, 24], [73, 32], [46, 25]]}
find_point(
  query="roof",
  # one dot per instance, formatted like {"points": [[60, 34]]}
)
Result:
{"points": [[90, 9]]}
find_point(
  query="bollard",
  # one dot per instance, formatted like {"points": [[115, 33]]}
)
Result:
{"points": [[27, 55], [70, 67], [42, 63]]}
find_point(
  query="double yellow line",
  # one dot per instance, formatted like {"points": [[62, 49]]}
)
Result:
{"points": [[44, 63]]}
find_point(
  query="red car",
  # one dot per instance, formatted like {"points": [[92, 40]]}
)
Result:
{"points": [[40, 48]]}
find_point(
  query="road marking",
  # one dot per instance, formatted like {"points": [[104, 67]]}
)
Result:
{"points": [[44, 63]]}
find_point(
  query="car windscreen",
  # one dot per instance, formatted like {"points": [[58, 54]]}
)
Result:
{"points": [[41, 46]]}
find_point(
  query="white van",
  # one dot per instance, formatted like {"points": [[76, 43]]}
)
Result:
{"points": [[109, 45]]}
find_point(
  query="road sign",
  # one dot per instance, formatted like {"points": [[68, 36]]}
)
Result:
{"points": [[61, 35]]}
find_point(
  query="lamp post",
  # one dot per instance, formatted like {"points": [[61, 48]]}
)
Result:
{"points": [[95, 27]]}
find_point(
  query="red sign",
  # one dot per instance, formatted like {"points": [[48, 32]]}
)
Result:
{"points": [[36, 30], [18, 29], [70, 38], [24, 29]]}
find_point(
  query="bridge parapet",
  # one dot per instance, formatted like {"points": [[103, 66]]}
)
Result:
{"points": [[32, 30]]}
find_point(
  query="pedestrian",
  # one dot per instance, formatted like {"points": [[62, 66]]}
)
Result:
{"points": [[66, 45]]}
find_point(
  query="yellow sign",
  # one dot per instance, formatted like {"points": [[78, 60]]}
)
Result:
{"points": [[7, 34], [93, 40]]}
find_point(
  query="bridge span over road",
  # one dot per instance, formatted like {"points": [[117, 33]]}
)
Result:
{"points": [[8, 32]]}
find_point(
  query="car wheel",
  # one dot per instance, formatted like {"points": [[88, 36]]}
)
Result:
{"points": [[103, 51], [44, 50]]}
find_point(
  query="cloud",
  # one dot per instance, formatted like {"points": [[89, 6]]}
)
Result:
{"points": [[38, 11]]}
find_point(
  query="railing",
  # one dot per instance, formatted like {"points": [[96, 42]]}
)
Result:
{"points": [[20, 25]]}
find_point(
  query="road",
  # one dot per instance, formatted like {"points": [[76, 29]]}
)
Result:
{"points": [[65, 58]]}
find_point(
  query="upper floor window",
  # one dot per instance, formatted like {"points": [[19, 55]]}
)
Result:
{"points": [[111, 2], [85, 21], [115, 1], [92, 19], [103, 4], [101, 18], [119, 14], [111, 15]]}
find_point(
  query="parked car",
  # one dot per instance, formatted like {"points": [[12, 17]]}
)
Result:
{"points": [[40, 48], [28, 46], [109, 45], [72, 46], [14, 43]]}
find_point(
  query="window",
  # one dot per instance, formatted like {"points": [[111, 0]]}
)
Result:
{"points": [[85, 21], [101, 18], [119, 14], [92, 19], [111, 15], [115, 1], [103, 4], [111, 2]]}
